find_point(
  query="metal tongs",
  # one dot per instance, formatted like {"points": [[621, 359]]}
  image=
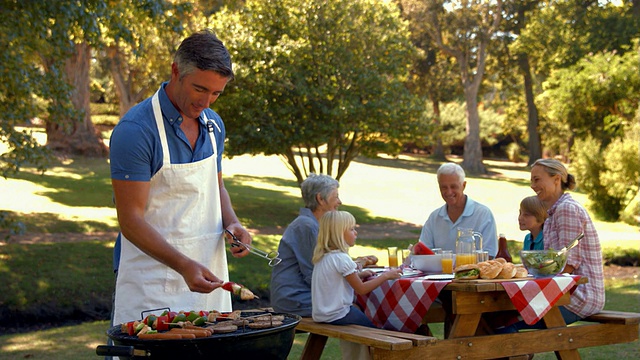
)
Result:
{"points": [[272, 256]]}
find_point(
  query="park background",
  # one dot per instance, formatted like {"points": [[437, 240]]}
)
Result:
{"points": [[374, 93]]}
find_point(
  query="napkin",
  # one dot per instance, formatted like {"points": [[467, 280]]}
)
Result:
{"points": [[534, 298]]}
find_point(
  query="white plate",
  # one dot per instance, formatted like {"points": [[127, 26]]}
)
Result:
{"points": [[439, 277], [411, 273], [376, 270]]}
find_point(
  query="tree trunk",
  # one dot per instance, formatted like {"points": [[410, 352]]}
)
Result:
{"points": [[472, 147], [535, 145], [289, 159], [437, 150], [78, 136], [125, 96]]}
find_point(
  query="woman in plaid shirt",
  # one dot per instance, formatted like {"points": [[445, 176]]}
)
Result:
{"points": [[567, 218]]}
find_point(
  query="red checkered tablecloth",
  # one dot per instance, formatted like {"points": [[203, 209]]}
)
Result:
{"points": [[534, 298], [401, 304]]}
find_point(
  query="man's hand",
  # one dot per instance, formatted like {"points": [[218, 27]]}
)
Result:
{"points": [[199, 278], [241, 234]]}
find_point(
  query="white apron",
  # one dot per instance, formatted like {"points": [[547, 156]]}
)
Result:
{"points": [[184, 207]]}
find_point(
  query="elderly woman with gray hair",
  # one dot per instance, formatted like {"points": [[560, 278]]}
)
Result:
{"points": [[291, 279]]}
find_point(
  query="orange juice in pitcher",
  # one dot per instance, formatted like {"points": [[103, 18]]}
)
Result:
{"points": [[464, 259], [467, 242]]}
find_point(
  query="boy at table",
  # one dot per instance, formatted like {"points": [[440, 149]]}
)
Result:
{"points": [[531, 218]]}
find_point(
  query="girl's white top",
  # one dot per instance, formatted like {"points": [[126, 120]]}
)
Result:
{"points": [[331, 294]]}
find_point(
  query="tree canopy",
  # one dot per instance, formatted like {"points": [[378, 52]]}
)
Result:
{"points": [[316, 79]]}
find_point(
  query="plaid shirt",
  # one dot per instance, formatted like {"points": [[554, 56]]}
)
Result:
{"points": [[567, 218]]}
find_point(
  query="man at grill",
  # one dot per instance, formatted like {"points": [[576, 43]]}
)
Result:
{"points": [[171, 202]]}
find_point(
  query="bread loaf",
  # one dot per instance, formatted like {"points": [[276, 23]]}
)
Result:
{"points": [[508, 271], [489, 269]]}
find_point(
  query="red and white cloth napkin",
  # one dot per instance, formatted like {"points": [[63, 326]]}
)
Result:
{"points": [[401, 304], [534, 298]]}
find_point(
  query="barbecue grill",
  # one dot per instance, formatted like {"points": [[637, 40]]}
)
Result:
{"points": [[244, 343]]}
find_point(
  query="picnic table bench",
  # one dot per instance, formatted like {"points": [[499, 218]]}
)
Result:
{"points": [[466, 341], [605, 328], [390, 341]]}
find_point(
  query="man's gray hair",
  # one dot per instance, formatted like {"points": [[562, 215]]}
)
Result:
{"points": [[451, 169], [203, 51], [317, 184]]}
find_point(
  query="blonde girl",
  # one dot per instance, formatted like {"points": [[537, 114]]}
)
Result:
{"points": [[335, 276], [531, 217]]}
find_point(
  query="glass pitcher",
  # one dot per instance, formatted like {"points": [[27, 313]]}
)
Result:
{"points": [[467, 242]]}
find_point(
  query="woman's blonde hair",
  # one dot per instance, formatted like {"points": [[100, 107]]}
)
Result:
{"points": [[534, 206], [333, 224], [555, 167]]}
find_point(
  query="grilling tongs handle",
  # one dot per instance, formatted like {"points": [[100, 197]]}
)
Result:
{"points": [[271, 256]]}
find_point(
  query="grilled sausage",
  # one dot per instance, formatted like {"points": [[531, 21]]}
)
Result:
{"points": [[193, 327], [197, 332], [160, 336]]}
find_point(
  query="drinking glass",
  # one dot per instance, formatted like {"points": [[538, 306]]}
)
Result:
{"points": [[393, 256], [406, 253], [447, 261], [482, 255]]}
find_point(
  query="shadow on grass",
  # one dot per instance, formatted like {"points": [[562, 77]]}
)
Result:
{"points": [[275, 204], [55, 282]]}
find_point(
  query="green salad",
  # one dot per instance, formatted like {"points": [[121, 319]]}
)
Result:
{"points": [[544, 262]]}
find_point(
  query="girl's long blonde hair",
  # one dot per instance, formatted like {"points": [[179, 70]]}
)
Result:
{"points": [[333, 224]]}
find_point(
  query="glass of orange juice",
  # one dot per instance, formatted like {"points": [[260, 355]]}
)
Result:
{"points": [[393, 256], [447, 261]]}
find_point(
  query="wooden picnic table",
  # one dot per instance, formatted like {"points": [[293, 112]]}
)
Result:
{"points": [[465, 303]]}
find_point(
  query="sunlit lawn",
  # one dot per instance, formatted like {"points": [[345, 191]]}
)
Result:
{"points": [[79, 342], [75, 197]]}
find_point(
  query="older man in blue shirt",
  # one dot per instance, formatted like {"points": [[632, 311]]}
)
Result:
{"points": [[459, 211]]}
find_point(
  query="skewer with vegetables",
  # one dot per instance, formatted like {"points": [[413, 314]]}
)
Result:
{"points": [[239, 290]]}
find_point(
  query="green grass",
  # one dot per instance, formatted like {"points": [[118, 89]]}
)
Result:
{"points": [[75, 196], [79, 341]]}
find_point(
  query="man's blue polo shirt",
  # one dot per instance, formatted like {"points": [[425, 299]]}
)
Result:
{"points": [[136, 151]]}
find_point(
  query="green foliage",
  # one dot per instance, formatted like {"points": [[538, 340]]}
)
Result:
{"points": [[596, 97], [609, 176], [621, 256], [103, 109], [42, 36], [514, 152], [26, 91], [559, 33], [453, 121], [317, 74], [631, 213]]}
